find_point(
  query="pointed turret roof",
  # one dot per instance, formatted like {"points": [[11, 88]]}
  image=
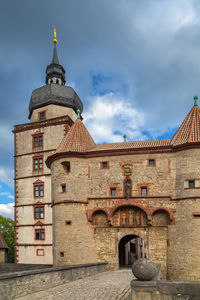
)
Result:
{"points": [[55, 59], [189, 131], [77, 139]]}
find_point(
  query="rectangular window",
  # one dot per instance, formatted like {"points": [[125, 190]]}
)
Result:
{"points": [[40, 140], [38, 164], [39, 234], [144, 191], [191, 184], [196, 216], [104, 165], [63, 186], [37, 141], [39, 190], [39, 212], [151, 162], [66, 166], [113, 192], [42, 115]]}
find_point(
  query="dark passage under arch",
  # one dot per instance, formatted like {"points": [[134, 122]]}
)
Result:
{"points": [[129, 250]]}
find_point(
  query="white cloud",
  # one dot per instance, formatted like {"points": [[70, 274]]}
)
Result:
{"points": [[6, 176], [7, 210], [109, 117]]}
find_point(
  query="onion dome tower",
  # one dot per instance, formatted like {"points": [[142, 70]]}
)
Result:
{"points": [[55, 92]]}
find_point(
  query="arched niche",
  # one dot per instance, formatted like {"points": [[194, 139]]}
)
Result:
{"points": [[127, 188], [129, 216], [160, 218], [100, 219]]}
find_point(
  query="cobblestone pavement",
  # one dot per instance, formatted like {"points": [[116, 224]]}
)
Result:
{"points": [[110, 285]]}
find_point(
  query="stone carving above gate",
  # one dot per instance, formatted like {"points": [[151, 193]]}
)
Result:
{"points": [[129, 216], [127, 169]]}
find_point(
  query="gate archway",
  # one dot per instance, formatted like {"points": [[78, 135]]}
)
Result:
{"points": [[129, 250]]}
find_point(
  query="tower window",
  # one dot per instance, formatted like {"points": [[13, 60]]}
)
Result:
{"points": [[57, 81], [37, 141], [38, 212], [39, 190], [63, 187], [191, 184], [143, 191], [51, 81], [42, 115], [66, 166], [113, 192], [40, 234], [38, 163]]}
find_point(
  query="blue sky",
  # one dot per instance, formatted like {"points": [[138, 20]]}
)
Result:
{"points": [[134, 64]]}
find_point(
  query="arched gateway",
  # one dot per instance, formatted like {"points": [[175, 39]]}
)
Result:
{"points": [[130, 249]]}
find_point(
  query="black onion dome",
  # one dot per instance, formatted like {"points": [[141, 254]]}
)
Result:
{"points": [[55, 94]]}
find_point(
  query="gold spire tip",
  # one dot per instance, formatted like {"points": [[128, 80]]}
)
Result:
{"points": [[55, 40]]}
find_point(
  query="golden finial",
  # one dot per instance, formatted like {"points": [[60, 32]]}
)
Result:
{"points": [[55, 40]]}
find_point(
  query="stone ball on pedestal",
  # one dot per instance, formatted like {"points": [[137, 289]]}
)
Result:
{"points": [[145, 269]]}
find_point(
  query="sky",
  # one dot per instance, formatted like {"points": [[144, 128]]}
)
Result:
{"points": [[134, 64]]}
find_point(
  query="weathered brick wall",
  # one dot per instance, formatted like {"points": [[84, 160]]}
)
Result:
{"points": [[170, 231]]}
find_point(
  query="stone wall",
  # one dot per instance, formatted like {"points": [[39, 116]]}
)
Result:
{"points": [[14, 285], [88, 191], [10, 267], [164, 290]]}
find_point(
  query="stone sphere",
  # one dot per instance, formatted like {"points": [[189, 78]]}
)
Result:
{"points": [[145, 269]]}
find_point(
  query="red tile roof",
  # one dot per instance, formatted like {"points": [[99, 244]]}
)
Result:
{"points": [[189, 131], [132, 145], [3, 244], [77, 139]]}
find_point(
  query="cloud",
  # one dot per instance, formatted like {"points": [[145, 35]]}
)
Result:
{"points": [[7, 210], [6, 176], [109, 117]]}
